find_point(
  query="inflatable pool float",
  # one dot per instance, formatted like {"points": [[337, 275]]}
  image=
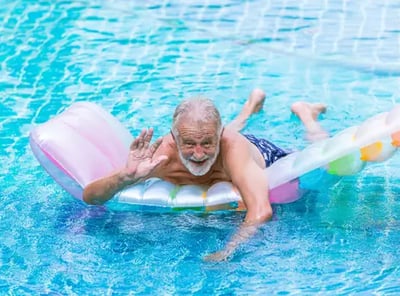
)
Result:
{"points": [[85, 142]]}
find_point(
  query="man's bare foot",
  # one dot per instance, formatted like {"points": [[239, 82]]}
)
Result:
{"points": [[253, 105], [302, 109], [255, 101], [308, 114]]}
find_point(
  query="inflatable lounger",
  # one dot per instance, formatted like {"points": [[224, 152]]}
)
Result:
{"points": [[85, 142]]}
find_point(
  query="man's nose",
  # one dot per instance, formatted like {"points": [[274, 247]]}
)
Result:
{"points": [[198, 152]]}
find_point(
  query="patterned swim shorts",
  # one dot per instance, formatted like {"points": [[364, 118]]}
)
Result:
{"points": [[269, 151]]}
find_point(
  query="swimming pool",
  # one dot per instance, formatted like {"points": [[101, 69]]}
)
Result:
{"points": [[340, 238]]}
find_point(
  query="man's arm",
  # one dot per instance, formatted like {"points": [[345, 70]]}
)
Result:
{"points": [[142, 161], [102, 190], [250, 179]]}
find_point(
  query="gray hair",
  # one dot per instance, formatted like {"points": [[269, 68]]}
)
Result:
{"points": [[198, 108]]}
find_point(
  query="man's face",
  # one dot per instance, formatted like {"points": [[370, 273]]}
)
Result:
{"points": [[198, 146]]}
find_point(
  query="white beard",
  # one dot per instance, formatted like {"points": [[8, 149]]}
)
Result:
{"points": [[199, 170]]}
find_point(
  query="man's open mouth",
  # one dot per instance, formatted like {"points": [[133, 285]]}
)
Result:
{"points": [[198, 162]]}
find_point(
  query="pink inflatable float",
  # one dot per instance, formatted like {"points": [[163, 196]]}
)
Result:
{"points": [[85, 142]]}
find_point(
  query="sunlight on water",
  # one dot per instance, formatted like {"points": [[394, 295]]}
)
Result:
{"points": [[138, 60]]}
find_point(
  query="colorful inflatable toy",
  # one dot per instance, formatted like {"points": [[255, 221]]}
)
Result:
{"points": [[85, 142]]}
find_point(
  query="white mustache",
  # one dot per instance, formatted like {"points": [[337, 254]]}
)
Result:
{"points": [[204, 158]]}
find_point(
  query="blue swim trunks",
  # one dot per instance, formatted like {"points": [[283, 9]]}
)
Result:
{"points": [[269, 151]]}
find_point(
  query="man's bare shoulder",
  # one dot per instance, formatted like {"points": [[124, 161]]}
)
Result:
{"points": [[231, 138], [167, 147], [235, 147]]}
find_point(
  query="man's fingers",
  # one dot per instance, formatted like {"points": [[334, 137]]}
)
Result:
{"points": [[142, 138], [159, 160], [142, 142], [139, 141], [155, 145], [147, 138], [148, 135], [134, 144], [217, 257], [156, 162]]}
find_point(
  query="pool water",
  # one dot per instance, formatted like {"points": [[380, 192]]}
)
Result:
{"points": [[138, 59]]}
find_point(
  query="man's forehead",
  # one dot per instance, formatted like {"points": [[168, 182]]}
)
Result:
{"points": [[186, 121], [197, 129]]}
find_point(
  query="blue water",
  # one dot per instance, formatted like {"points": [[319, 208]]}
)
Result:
{"points": [[138, 59]]}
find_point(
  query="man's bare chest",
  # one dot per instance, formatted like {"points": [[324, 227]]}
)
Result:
{"points": [[176, 173]]}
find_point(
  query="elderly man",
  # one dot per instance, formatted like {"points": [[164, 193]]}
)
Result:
{"points": [[199, 150]]}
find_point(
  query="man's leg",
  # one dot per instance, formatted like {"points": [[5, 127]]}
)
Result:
{"points": [[253, 105], [308, 114]]}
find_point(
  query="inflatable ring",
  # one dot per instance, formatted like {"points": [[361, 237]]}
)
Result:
{"points": [[85, 143]]}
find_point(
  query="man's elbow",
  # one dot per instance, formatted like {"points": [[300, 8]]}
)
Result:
{"points": [[89, 197]]}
